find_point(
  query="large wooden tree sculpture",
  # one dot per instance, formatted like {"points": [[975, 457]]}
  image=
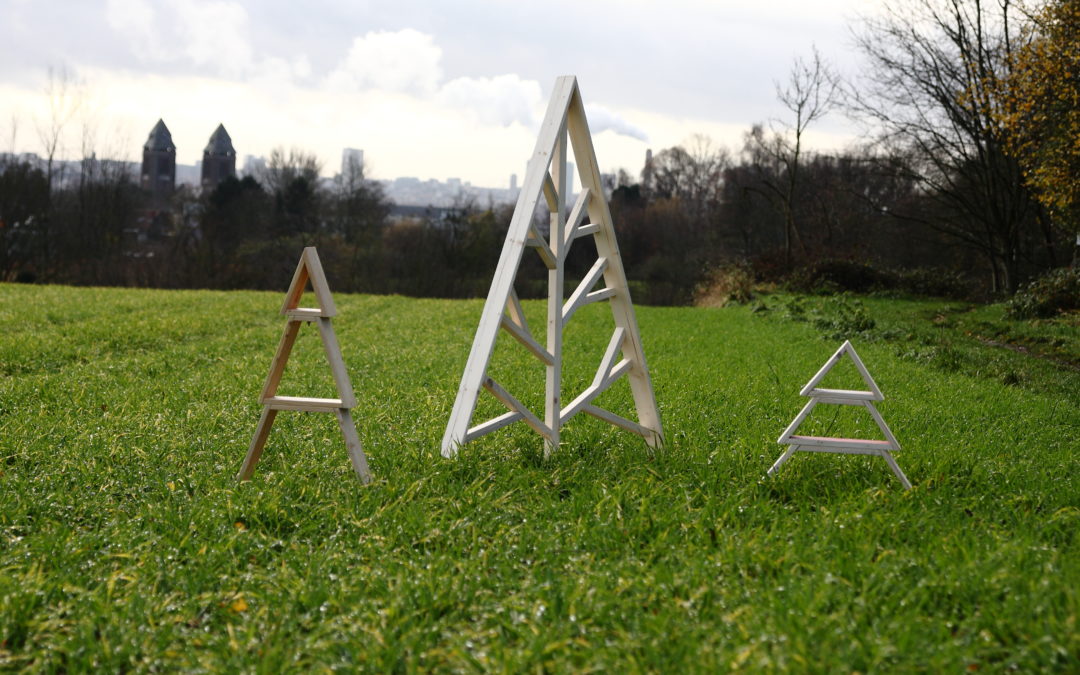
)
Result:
{"points": [[310, 268], [546, 176]]}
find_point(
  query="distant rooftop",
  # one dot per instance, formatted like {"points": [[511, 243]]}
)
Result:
{"points": [[220, 144], [160, 140]]}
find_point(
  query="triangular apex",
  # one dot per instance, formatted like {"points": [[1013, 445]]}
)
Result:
{"points": [[811, 388], [309, 268], [564, 128]]}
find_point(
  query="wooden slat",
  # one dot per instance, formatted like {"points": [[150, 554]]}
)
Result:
{"points": [[281, 357], [526, 339], [551, 194], [494, 424], [337, 364], [305, 314], [838, 443], [835, 394], [577, 299], [318, 282], [612, 352], [304, 403], [352, 444], [258, 442], [584, 230], [556, 281], [617, 420], [577, 214], [598, 387], [832, 449], [537, 242], [517, 313], [516, 406]]}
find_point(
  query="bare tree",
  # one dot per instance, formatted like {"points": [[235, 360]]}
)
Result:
{"points": [[64, 94], [811, 91], [928, 94]]}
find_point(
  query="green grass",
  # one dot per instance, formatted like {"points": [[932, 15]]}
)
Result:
{"points": [[125, 543]]}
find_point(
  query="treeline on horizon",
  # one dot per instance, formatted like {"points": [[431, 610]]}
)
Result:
{"points": [[967, 186]]}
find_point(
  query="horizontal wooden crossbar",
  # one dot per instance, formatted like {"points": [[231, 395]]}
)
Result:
{"points": [[837, 394], [851, 443], [303, 403], [305, 314]]}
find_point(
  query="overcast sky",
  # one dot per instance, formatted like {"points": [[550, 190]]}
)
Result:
{"points": [[426, 89]]}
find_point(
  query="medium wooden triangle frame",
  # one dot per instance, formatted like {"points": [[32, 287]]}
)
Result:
{"points": [[546, 176], [309, 268], [853, 446]]}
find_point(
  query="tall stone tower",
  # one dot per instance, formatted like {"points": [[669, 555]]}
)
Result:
{"points": [[218, 159], [159, 163]]}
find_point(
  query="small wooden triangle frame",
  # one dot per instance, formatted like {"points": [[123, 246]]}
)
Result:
{"points": [[310, 268], [852, 446], [546, 177]]}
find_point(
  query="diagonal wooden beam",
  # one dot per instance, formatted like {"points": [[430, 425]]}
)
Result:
{"points": [[516, 406], [550, 193], [541, 246], [573, 223], [577, 300], [522, 336]]}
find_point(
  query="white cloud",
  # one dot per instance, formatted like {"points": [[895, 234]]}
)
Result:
{"points": [[501, 100], [214, 33], [211, 34], [137, 20], [604, 119], [402, 61]]}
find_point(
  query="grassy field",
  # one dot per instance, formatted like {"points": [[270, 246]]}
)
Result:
{"points": [[126, 544]]}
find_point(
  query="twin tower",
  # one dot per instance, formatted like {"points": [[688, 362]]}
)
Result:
{"points": [[159, 161]]}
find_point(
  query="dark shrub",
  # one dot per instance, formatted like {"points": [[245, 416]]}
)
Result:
{"points": [[1047, 296]]}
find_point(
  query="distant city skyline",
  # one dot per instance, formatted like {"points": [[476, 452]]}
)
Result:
{"points": [[426, 92]]}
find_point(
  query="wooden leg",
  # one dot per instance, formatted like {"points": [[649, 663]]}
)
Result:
{"points": [[257, 442], [896, 469], [783, 458], [352, 444]]}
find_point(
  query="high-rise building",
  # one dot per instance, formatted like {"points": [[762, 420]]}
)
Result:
{"points": [[219, 159], [352, 162], [513, 182], [159, 163]]}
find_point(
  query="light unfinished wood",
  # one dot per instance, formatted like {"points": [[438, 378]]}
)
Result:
{"points": [[304, 403], [522, 336], [577, 215], [305, 314], [309, 269], [516, 406], [494, 424], [546, 255], [845, 349], [851, 446], [258, 442], [563, 131], [577, 298]]}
